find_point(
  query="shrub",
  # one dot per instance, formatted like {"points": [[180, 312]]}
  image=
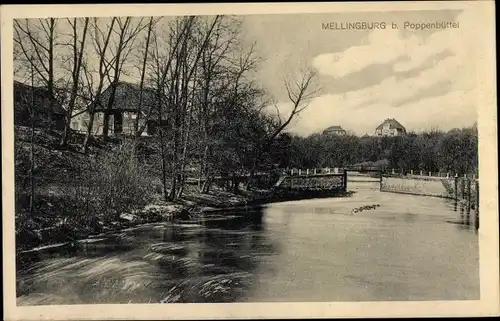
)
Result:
{"points": [[113, 182]]}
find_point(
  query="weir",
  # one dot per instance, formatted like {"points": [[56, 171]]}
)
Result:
{"points": [[464, 190]]}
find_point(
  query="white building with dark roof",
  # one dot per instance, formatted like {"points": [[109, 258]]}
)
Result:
{"points": [[335, 130], [123, 111], [390, 127]]}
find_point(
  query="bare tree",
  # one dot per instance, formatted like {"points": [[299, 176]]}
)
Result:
{"points": [[36, 40], [101, 44], [127, 34], [215, 79], [175, 79], [32, 139], [76, 63], [163, 62], [143, 74], [300, 90], [182, 124]]}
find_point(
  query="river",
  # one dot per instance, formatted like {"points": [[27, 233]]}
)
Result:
{"points": [[400, 247]]}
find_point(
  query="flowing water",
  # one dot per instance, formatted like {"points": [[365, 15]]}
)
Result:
{"points": [[368, 247]]}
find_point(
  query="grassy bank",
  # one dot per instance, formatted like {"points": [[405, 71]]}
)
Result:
{"points": [[50, 228], [107, 189]]}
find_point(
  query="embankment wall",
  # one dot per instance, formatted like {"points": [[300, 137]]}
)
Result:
{"points": [[426, 187], [466, 188]]}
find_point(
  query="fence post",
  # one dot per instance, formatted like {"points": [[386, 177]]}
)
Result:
{"points": [[456, 188], [381, 175], [469, 195], [411, 171], [300, 171], [393, 171], [314, 172], [463, 188], [307, 171], [345, 180], [477, 204], [421, 173], [447, 175], [430, 173]]}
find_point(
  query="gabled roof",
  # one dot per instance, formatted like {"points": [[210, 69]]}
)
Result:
{"points": [[41, 98], [333, 128], [393, 124], [127, 98]]}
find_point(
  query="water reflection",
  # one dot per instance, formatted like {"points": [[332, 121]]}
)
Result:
{"points": [[210, 261], [314, 250], [467, 220]]}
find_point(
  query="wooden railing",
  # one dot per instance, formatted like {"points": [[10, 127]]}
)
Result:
{"points": [[424, 173], [312, 171], [323, 179]]}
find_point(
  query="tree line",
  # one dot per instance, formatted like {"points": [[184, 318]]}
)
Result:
{"points": [[213, 118], [196, 77], [454, 151]]}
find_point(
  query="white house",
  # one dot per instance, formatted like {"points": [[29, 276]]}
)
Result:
{"points": [[335, 130], [390, 127], [122, 115]]}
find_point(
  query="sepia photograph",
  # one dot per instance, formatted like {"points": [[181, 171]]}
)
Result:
{"points": [[163, 157]]}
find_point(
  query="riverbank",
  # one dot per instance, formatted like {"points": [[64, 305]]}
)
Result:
{"points": [[213, 262], [465, 190], [188, 208], [78, 195], [55, 230]]}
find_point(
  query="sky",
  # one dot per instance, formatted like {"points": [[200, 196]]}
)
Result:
{"points": [[424, 79]]}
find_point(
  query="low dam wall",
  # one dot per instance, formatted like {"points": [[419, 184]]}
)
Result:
{"points": [[315, 181], [464, 190], [417, 186]]}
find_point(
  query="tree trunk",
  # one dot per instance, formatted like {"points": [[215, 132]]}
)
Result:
{"points": [[32, 150], [88, 136], [32, 159], [108, 111], [141, 86], [76, 79], [236, 183], [203, 168]]}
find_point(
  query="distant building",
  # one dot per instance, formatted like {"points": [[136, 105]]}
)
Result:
{"points": [[48, 111], [335, 130], [390, 127], [123, 112]]}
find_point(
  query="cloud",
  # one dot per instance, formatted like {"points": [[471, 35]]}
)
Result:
{"points": [[432, 83], [455, 40], [362, 110], [384, 46], [454, 109]]}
